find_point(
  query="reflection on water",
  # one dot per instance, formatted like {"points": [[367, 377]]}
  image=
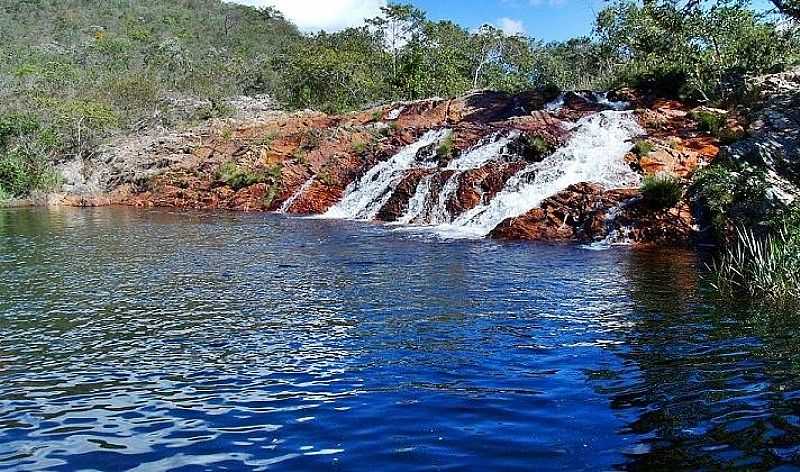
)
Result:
{"points": [[156, 340]]}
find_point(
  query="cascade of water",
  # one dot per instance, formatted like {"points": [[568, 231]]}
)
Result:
{"points": [[488, 149], [594, 153], [556, 104], [365, 197], [615, 236], [288, 203], [416, 206], [600, 98]]}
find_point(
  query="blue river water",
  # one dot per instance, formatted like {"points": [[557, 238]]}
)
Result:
{"points": [[158, 340]]}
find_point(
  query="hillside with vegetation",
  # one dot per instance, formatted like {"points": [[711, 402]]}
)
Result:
{"points": [[79, 74]]}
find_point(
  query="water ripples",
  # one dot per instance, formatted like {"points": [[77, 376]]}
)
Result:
{"points": [[137, 340]]}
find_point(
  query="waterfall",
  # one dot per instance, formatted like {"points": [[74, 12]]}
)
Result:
{"points": [[365, 197], [416, 206], [615, 236], [290, 201], [420, 210], [595, 153], [599, 98]]}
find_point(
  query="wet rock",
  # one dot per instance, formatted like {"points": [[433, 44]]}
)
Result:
{"points": [[397, 204], [586, 212]]}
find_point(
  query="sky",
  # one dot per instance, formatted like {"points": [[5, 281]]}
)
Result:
{"points": [[548, 20]]}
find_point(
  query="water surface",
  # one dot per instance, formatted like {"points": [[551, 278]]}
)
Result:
{"points": [[157, 340]]}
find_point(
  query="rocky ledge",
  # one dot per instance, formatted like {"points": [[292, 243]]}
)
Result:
{"points": [[307, 163]]}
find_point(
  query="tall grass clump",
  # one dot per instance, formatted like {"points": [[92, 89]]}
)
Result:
{"points": [[661, 191], [760, 269]]}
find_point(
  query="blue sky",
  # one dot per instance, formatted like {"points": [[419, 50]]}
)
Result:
{"points": [[543, 19]]}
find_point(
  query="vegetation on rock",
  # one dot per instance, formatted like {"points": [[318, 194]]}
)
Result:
{"points": [[661, 191], [90, 69]]}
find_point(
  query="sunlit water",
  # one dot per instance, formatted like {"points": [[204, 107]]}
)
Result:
{"points": [[161, 341]]}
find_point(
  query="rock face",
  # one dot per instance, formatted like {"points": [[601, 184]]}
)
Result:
{"points": [[306, 163], [773, 141], [588, 213]]}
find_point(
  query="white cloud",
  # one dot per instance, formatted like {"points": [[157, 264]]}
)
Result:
{"points": [[328, 15], [510, 26]]}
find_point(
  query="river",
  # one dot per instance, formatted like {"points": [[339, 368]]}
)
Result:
{"points": [[160, 340]]}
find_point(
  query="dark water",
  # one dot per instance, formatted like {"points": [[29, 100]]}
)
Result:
{"points": [[157, 340]]}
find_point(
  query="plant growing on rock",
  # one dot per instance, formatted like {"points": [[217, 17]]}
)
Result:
{"points": [[359, 148], [311, 140], [446, 148], [731, 195], [642, 148], [238, 177], [709, 122], [661, 191]]}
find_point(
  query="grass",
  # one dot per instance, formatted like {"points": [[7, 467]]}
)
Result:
{"points": [[708, 122], [446, 147], [359, 148], [237, 177], [760, 269], [642, 148], [661, 191]]}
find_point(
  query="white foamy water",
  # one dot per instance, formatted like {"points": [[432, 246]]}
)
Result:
{"points": [[299, 193], [416, 206], [614, 236], [600, 98], [365, 197], [421, 210], [595, 153]]}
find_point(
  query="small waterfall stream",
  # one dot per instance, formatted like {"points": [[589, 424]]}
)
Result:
{"points": [[365, 197], [595, 153], [287, 205], [423, 209]]}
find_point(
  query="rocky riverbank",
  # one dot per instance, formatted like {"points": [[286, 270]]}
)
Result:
{"points": [[533, 166]]}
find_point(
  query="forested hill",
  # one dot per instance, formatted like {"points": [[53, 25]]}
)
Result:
{"points": [[74, 72]]}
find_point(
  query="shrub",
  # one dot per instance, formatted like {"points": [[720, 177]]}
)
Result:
{"points": [[764, 269], [237, 178], [661, 191], [25, 151], [359, 147], [709, 122], [311, 140], [446, 147], [732, 196], [643, 148]]}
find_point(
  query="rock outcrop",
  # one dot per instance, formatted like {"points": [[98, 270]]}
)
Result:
{"points": [[304, 163], [773, 134]]}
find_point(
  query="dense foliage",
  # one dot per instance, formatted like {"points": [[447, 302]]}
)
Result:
{"points": [[74, 72]]}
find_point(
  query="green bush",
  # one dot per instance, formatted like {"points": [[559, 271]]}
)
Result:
{"points": [[661, 191], [643, 148], [359, 148], [537, 147], [761, 269], [446, 147], [708, 122], [238, 177], [731, 195], [25, 155]]}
